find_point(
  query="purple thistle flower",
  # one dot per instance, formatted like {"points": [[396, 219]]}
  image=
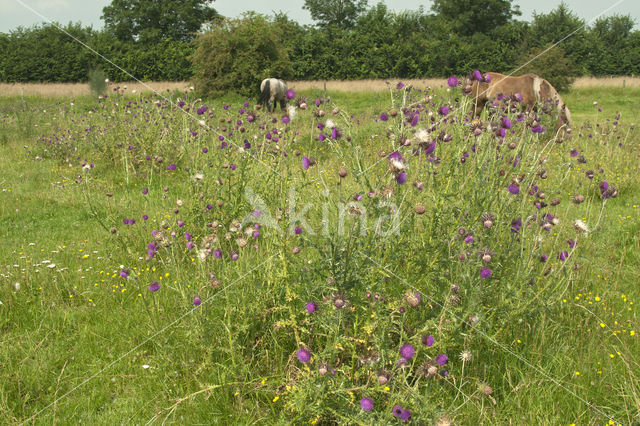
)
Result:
{"points": [[519, 98], [516, 224], [538, 129], [543, 257], [506, 122], [305, 163], [197, 301], [145, 191], [311, 307], [502, 132], [429, 150], [571, 242], [321, 137], [298, 230], [154, 286], [384, 117], [400, 85], [286, 119], [291, 94], [442, 359], [145, 217], [395, 155], [217, 254], [414, 121], [366, 404], [452, 81], [486, 273], [407, 351], [401, 413], [477, 75], [428, 340], [304, 356], [563, 255], [469, 239], [401, 178], [190, 245], [604, 185], [444, 110], [171, 167], [124, 273], [487, 78], [513, 189]]}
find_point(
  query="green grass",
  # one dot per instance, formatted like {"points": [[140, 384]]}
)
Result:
{"points": [[72, 331]]}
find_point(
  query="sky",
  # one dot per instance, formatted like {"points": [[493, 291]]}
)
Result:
{"points": [[14, 13]]}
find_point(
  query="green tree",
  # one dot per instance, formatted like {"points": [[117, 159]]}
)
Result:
{"points": [[340, 13], [613, 50], [475, 16], [150, 21], [564, 27]]}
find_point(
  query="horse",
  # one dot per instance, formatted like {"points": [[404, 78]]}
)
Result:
{"points": [[528, 89], [271, 91]]}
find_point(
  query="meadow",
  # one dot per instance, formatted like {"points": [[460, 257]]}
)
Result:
{"points": [[366, 257]]}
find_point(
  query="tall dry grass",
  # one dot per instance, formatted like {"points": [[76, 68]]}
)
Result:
{"points": [[82, 89]]}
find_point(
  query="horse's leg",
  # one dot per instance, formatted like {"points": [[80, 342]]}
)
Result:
{"points": [[283, 103]]}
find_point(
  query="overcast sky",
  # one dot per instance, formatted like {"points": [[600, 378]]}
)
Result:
{"points": [[16, 12]]}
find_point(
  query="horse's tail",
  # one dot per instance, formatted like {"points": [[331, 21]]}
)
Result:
{"points": [[266, 93]]}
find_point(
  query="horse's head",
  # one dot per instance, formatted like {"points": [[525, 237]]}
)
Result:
{"points": [[467, 85]]}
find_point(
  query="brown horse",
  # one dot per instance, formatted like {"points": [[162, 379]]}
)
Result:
{"points": [[529, 89]]}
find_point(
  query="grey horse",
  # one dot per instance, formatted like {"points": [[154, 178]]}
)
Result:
{"points": [[271, 91]]}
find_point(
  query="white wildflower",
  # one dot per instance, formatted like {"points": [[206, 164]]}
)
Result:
{"points": [[581, 226], [292, 111], [202, 255]]}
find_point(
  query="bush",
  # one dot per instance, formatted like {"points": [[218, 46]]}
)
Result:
{"points": [[552, 65], [237, 54], [97, 81]]}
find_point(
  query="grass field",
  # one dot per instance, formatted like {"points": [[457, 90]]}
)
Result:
{"points": [[166, 263]]}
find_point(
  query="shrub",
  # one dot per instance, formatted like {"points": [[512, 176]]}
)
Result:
{"points": [[237, 54], [552, 65], [97, 81]]}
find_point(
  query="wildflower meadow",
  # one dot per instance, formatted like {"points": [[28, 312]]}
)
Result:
{"points": [[356, 258]]}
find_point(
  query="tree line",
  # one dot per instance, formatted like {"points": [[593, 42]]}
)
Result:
{"points": [[181, 40]]}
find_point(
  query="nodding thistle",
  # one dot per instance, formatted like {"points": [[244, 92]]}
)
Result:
{"points": [[383, 377], [487, 220], [322, 368], [412, 298]]}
